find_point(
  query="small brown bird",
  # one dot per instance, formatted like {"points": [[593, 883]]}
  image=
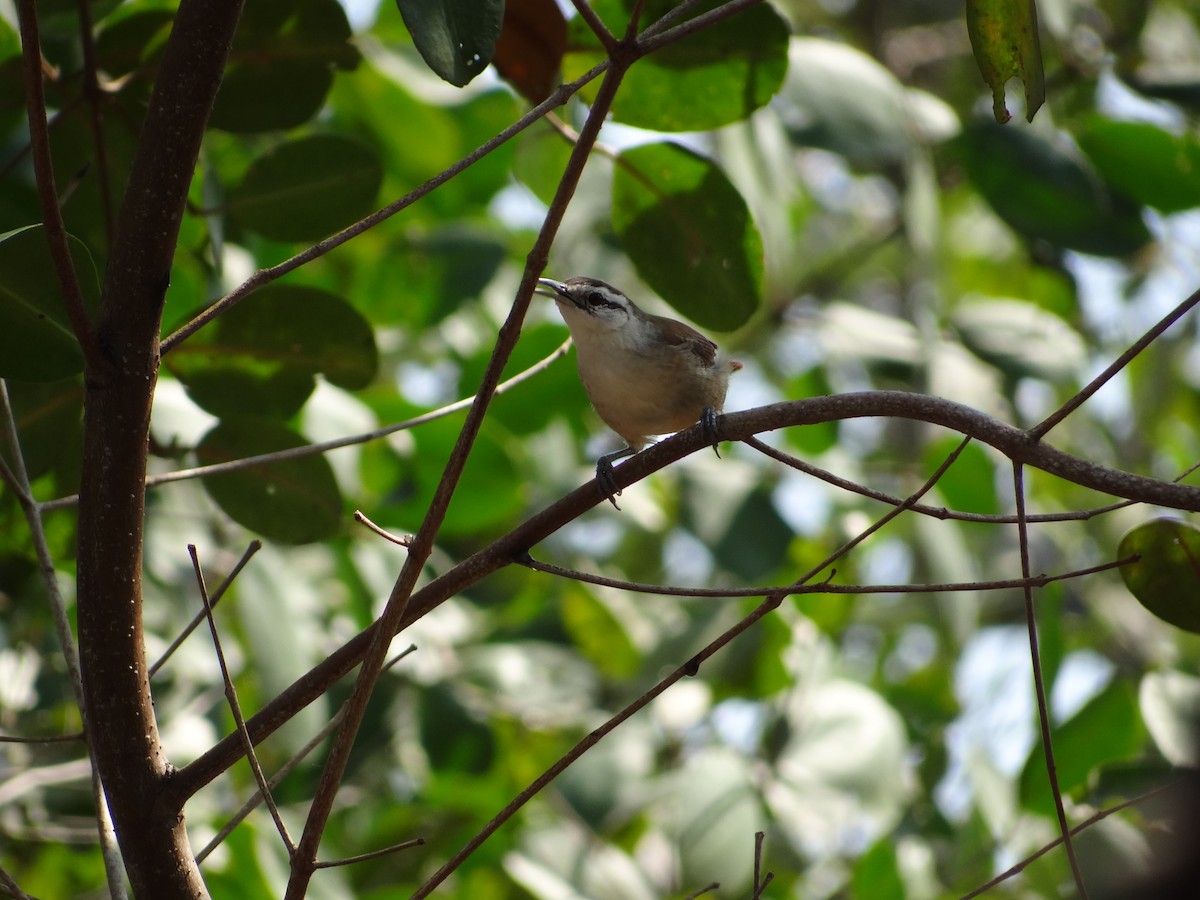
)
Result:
{"points": [[645, 374]]}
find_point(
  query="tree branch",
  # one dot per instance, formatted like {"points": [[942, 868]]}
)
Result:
{"points": [[735, 426]]}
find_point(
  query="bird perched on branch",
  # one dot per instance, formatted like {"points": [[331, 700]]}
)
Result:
{"points": [[645, 374]]}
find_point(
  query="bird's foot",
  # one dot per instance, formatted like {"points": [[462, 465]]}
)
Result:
{"points": [[710, 425], [606, 480]]}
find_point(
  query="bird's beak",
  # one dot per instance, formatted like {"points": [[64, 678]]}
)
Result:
{"points": [[558, 290]]}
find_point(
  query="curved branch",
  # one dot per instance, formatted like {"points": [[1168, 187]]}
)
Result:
{"points": [[1010, 441]]}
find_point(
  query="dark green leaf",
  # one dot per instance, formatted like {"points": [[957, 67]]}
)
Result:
{"points": [[282, 65], [1144, 161], [1046, 192], [265, 352], [306, 189], [1004, 37], [1166, 580], [454, 738], [1107, 729], [134, 40], [36, 339], [718, 75], [456, 38], [441, 271], [689, 233], [295, 501]]}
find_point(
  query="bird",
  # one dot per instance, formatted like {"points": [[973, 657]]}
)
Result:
{"points": [[646, 375]]}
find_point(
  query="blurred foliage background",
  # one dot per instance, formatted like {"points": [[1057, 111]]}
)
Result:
{"points": [[856, 219]]}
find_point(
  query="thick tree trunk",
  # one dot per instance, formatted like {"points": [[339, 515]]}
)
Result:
{"points": [[119, 390]]}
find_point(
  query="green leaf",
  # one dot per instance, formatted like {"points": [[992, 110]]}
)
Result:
{"points": [[265, 352], [456, 38], [1004, 38], [1021, 339], [1046, 192], [37, 342], [453, 737], [688, 231], [718, 75], [1107, 729], [840, 99], [876, 874], [1146, 162], [1166, 580], [443, 269], [306, 189], [294, 501], [282, 65]]}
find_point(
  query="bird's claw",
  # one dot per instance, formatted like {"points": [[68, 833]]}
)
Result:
{"points": [[606, 480], [710, 425]]}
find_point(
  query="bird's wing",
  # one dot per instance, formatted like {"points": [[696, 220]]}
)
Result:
{"points": [[685, 337]]}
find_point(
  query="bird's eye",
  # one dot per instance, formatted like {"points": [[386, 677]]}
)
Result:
{"points": [[595, 298]]}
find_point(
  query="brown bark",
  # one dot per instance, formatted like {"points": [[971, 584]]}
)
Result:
{"points": [[119, 390]]}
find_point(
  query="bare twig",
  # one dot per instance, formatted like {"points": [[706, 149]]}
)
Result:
{"points": [[1040, 430], [248, 462], [235, 707], [1082, 826], [598, 27], [254, 546], [404, 541], [824, 587], [110, 851], [1039, 683], [700, 892], [374, 854], [95, 99], [43, 169]]}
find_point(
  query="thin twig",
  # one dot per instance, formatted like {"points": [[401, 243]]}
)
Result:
{"points": [[1082, 826], [936, 512], [95, 99], [404, 541], [253, 547], [593, 21], [1039, 430], [286, 769], [1039, 683], [824, 587], [109, 849], [306, 450], [374, 854], [235, 707], [43, 169], [56, 739], [700, 892]]}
